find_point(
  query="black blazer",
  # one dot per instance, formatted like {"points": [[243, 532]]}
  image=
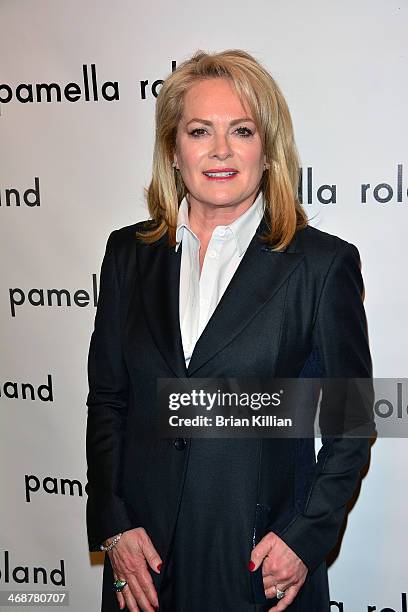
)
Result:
{"points": [[289, 314]]}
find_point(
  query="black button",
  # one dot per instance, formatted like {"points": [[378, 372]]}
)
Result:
{"points": [[180, 443]]}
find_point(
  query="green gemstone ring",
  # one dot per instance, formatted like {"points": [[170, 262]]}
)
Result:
{"points": [[119, 585]]}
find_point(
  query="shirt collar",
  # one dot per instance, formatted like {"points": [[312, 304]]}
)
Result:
{"points": [[243, 228], [182, 222]]}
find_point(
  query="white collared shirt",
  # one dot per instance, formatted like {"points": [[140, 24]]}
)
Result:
{"points": [[200, 294]]}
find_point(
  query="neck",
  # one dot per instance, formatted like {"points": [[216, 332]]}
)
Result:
{"points": [[203, 218]]}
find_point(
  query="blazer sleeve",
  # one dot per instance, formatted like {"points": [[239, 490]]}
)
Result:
{"points": [[341, 339], [106, 511]]}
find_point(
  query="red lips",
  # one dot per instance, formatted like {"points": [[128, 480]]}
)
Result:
{"points": [[221, 170]]}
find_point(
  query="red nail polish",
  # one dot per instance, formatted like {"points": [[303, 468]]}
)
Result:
{"points": [[160, 566], [251, 566]]}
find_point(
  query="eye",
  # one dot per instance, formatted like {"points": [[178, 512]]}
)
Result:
{"points": [[246, 132], [243, 132], [197, 132]]}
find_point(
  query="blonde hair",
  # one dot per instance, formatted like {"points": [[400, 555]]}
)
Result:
{"points": [[279, 184]]}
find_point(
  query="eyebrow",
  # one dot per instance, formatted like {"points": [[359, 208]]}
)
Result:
{"points": [[206, 122]]}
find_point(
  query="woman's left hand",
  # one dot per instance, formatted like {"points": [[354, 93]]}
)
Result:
{"points": [[281, 568]]}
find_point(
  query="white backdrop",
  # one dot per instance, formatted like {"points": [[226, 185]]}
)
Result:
{"points": [[343, 69]]}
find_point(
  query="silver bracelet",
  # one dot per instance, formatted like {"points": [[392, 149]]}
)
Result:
{"points": [[112, 544]]}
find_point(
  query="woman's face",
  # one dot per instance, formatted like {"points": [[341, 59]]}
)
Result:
{"points": [[216, 134]]}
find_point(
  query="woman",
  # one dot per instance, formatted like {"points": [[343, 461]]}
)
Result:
{"points": [[227, 279]]}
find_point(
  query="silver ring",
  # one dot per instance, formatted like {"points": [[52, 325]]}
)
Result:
{"points": [[280, 594]]}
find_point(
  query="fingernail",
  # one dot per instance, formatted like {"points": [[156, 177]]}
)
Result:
{"points": [[160, 566], [251, 566]]}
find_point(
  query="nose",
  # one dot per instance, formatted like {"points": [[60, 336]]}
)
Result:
{"points": [[221, 146]]}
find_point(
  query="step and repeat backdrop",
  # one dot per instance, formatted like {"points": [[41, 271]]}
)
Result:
{"points": [[78, 84]]}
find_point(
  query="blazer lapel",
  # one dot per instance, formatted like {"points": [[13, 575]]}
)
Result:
{"points": [[257, 278], [159, 272]]}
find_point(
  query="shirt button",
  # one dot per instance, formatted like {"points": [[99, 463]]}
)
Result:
{"points": [[221, 231], [212, 254]]}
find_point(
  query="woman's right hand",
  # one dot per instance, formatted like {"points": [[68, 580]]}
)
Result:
{"points": [[129, 559]]}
